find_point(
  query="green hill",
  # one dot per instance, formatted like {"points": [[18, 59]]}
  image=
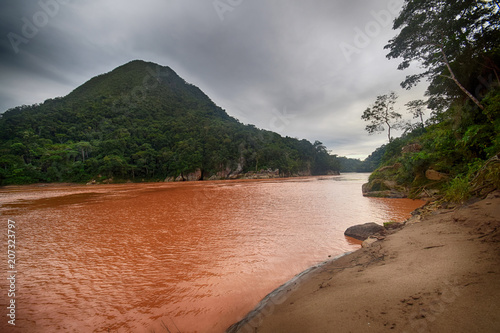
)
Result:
{"points": [[139, 122]]}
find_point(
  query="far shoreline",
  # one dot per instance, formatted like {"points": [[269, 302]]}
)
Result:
{"points": [[69, 184]]}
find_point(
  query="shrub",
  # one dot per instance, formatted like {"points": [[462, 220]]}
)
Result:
{"points": [[458, 190], [388, 224]]}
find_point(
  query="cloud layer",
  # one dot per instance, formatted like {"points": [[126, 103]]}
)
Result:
{"points": [[303, 69]]}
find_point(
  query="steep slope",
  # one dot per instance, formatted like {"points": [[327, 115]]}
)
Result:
{"points": [[141, 121]]}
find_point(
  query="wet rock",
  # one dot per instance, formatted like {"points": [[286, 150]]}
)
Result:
{"points": [[363, 231], [375, 185], [383, 189], [385, 194]]}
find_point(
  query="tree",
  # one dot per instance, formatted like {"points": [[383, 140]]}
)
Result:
{"points": [[113, 165], [171, 128], [443, 35], [416, 109], [84, 148], [382, 113]]}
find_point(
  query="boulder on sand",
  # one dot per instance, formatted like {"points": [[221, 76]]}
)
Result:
{"points": [[363, 231]]}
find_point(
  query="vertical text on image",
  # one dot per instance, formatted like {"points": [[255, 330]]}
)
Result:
{"points": [[11, 271]]}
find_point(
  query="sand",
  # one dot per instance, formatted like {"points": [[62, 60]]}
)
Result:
{"points": [[440, 273]]}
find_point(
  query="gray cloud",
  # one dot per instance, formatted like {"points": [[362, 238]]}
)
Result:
{"points": [[281, 65]]}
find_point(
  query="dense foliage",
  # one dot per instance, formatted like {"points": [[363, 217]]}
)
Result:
{"points": [[141, 122], [369, 164], [453, 41], [458, 46]]}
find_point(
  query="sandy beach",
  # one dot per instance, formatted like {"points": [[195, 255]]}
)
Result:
{"points": [[439, 273]]}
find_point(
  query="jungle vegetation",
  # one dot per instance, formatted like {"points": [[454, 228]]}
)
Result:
{"points": [[457, 44], [142, 122]]}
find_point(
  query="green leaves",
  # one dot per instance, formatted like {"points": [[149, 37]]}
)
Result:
{"points": [[382, 113], [456, 44], [458, 189], [443, 36], [141, 121]]}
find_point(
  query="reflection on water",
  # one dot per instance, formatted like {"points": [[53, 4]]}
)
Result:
{"points": [[193, 257]]}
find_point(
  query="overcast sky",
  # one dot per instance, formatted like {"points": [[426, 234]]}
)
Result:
{"points": [[306, 69]]}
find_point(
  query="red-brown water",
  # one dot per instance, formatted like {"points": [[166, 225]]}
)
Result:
{"points": [[190, 257]]}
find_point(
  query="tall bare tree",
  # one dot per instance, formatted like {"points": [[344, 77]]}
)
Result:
{"points": [[416, 109], [382, 114]]}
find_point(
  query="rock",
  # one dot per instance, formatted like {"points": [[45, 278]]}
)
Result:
{"points": [[393, 225], [363, 231], [234, 176], [393, 167], [413, 148], [239, 168], [195, 176], [304, 173], [382, 183], [435, 175], [383, 189], [261, 174], [375, 185], [223, 174], [365, 188], [386, 194], [369, 241]]}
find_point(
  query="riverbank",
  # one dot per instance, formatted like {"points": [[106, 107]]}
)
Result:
{"points": [[440, 273]]}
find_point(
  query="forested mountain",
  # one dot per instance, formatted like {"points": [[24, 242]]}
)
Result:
{"points": [[140, 122]]}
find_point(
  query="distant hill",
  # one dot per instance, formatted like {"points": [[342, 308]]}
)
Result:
{"points": [[141, 121]]}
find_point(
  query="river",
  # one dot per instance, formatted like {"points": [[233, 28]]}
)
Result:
{"points": [[178, 257]]}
